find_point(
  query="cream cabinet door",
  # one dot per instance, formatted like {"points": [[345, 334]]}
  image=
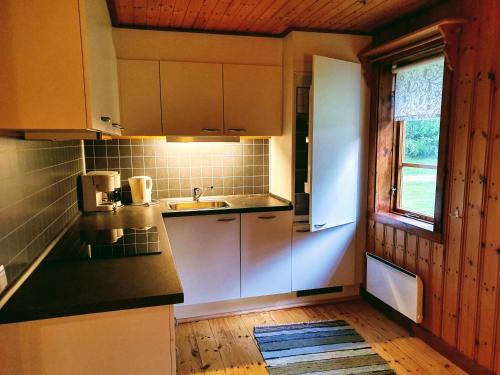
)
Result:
{"points": [[101, 72], [140, 97], [41, 68], [266, 251], [207, 255], [191, 97], [252, 100], [323, 259]]}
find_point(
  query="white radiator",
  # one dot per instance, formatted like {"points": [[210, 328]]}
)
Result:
{"points": [[397, 287]]}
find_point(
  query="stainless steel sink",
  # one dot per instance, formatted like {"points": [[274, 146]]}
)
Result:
{"points": [[200, 205]]}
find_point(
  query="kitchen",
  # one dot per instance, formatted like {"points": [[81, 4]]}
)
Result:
{"points": [[171, 194]]}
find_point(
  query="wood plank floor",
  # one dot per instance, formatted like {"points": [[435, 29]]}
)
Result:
{"points": [[226, 345]]}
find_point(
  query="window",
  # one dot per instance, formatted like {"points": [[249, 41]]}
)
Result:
{"points": [[418, 90]]}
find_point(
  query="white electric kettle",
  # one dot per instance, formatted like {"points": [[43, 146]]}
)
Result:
{"points": [[141, 187]]}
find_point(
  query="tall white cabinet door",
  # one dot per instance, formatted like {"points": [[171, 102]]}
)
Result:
{"points": [[334, 145], [207, 255], [252, 100], [266, 253], [140, 104], [191, 97], [324, 258]]}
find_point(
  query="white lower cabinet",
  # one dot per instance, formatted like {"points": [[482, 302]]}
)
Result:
{"points": [[324, 258], [266, 253], [207, 255]]}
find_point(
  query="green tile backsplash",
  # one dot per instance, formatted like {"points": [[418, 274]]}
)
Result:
{"points": [[176, 168], [38, 197]]}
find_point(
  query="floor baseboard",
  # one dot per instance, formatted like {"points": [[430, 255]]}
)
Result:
{"points": [[189, 313]]}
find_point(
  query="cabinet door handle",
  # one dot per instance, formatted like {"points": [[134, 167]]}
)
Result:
{"points": [[210, 130], [302, 230], [105, 119], [237, 130], [319, 225], [267, 217], [227, 219], [118, 126]]}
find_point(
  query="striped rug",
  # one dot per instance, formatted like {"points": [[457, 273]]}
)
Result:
{"points": [[325, 348]]}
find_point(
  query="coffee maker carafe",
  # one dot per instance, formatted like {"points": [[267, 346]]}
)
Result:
{"points": [[101, 191]]}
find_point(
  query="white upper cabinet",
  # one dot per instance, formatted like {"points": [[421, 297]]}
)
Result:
{"points": [[252, 100], [58, 66], [335, 123], [266, 250], [140, 97], [191, 97]]}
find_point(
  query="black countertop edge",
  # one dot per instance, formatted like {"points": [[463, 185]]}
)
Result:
{"points": [[136, 303], [216, 211]]}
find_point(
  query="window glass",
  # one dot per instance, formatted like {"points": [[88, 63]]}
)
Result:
{"points": [[418, 92]]}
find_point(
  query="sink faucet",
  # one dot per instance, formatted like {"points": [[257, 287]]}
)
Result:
{"points": [[198, 192]]}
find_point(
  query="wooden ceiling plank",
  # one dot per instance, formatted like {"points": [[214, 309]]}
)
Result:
{"points": [[140, 12], [218, 12], [166, 11], [263, 16], [387, 12], [192, 13], [257, 12], [180, 10], [247, 7], [328, 13], [280, 21], [230, 15], [125, 11], [353, 11], [153, 13], [206, 10], [313, 10], [271, 11]]}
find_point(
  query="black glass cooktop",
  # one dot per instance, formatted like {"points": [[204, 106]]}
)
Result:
{"points": [[106, 244]]}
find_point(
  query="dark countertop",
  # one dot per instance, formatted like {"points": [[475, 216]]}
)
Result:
{"points": [[237, 203], [60, 287]]}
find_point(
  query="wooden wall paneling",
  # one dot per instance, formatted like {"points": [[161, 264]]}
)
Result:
{"points": [[384, 141], [389, 243], [489, 283], [372, 139], [411, 255], [459, 146], [400, 248], [423, 270], [379, 239], [436, 284], [473, 213], [370, 241]]}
